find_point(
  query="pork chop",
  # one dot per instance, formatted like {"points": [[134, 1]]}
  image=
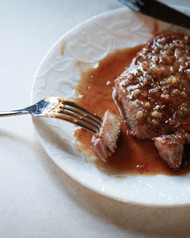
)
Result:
{"points": [[105, 143], [155, 92]]}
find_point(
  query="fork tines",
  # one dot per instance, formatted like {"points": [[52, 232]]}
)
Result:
{"points": [[80, 116]]}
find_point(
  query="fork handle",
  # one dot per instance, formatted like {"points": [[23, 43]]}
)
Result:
{"points": [[14, 113]]}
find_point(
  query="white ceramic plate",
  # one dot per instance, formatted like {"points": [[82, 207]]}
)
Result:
{"points": [[58, 74]]}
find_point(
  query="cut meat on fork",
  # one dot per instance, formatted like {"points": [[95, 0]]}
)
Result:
{"points": [[155, 93], [105, 142]]}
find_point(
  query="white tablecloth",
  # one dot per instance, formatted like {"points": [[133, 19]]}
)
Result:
{"points": [[37, 199]]}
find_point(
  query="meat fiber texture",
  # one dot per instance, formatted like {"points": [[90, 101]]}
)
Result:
{"points": [[105, 142], [155, 94]]}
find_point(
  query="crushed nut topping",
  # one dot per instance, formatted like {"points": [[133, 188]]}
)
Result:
{"points": [[156, 114], [158, 81], [140, 114]]}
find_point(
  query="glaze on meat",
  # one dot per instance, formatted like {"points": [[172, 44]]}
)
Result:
{"points": [[155, 93]]}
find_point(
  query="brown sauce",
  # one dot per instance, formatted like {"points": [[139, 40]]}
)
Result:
{"points": [[132, 156]]}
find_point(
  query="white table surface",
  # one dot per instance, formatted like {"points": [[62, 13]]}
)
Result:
{"points": [[37, 199]]}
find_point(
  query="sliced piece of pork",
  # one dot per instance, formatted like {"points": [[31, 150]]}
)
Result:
{"points": [[105, 143], [171, 148]]}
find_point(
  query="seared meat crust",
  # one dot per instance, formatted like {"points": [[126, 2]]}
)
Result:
{"points": [[155, 90]]}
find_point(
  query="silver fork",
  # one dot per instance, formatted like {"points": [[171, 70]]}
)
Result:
{"points": [[60, 108]]}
